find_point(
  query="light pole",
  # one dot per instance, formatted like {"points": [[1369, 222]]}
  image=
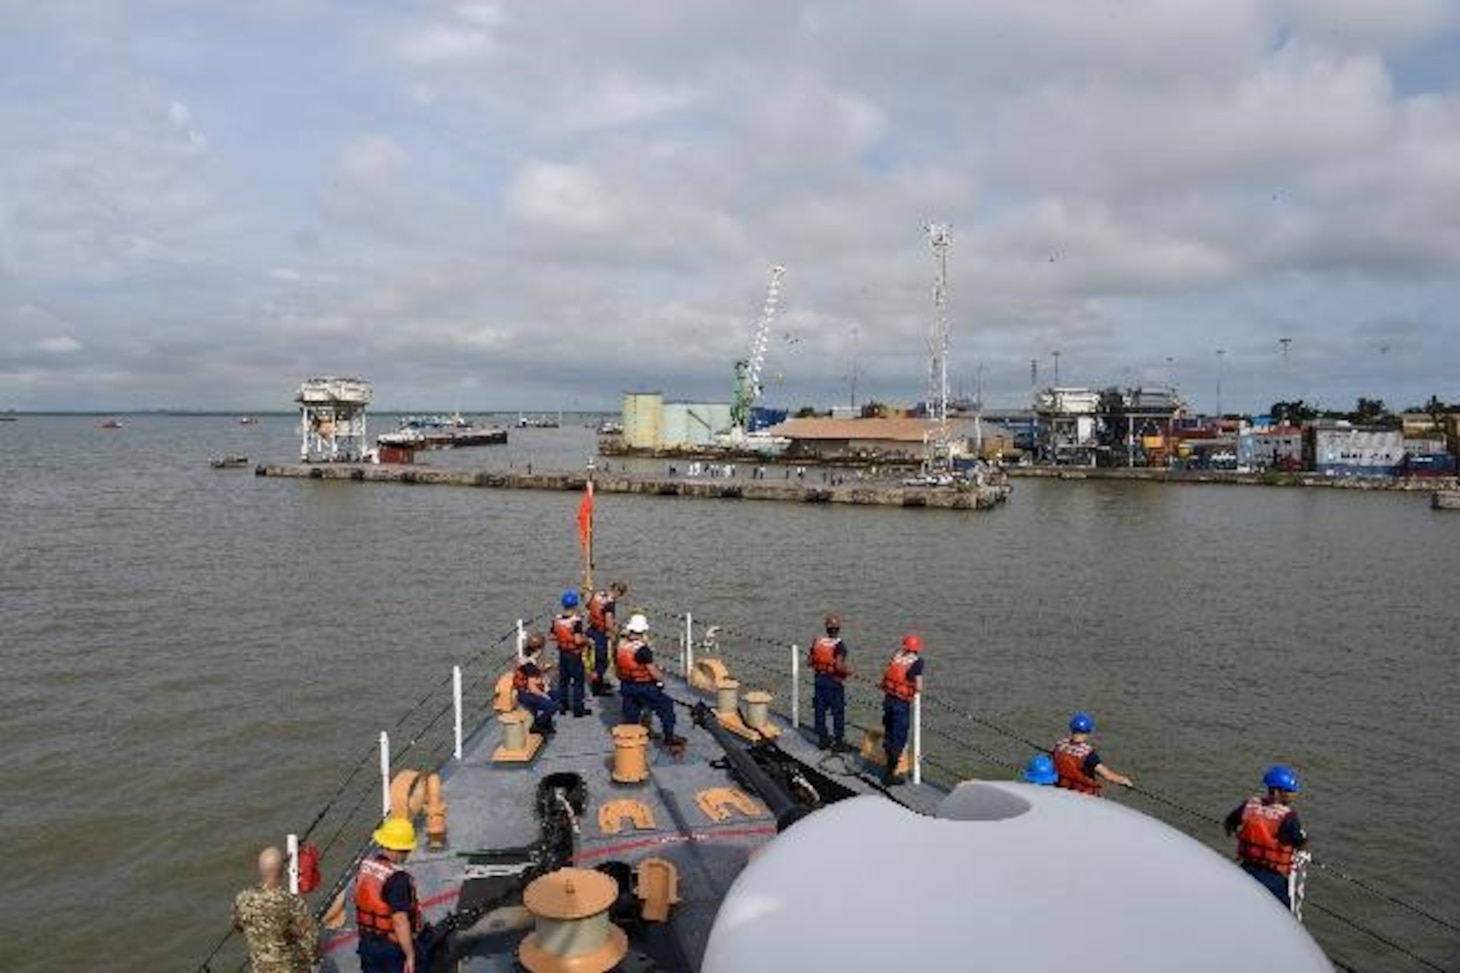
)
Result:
{"points": [[1056, 369]]}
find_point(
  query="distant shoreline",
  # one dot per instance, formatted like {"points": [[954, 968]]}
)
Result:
{"points": [[1399, 484]]}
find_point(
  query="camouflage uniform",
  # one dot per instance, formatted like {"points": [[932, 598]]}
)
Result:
{"points": [[282, 936]]}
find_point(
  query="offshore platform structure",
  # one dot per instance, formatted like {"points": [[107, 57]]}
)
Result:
{"points": [[747, 370], [332, 420], [939, 456]]}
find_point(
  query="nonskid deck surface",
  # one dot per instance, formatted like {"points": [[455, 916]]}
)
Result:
{"points": [[491, 807]]}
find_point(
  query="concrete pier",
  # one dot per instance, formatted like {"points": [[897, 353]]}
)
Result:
{"points": [[861, 494], [1445, 500]]}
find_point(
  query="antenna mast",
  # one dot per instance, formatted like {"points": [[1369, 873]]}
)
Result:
{"points": [[940, 236]]}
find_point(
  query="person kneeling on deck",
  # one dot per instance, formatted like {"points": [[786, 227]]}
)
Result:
{"points": [[641, 684], [1268, 832], [828, 659], [568, 633], [532, 688], [1078, 765], [902, 680], [387, 910], [602, 630]]}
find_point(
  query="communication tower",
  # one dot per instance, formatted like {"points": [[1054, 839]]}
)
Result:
{"points": [[939, 453], [747, 370], [332, 420]]}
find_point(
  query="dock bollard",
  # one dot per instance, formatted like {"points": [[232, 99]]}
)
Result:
{"points": [[727, 697], [757, 709], [571, 931], [514, 731], [630, 747]]}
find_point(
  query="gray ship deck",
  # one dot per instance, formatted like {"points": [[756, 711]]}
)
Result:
{"points": [[491, 807]]}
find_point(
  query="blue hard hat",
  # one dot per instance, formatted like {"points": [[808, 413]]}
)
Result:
{"points": [[1040, 770], [570, 599], [1282, 778], [1082, 723]]}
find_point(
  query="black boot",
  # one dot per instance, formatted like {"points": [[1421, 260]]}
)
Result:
{"points": [[823, 742]]}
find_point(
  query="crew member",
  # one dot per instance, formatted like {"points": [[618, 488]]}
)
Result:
{"points": [[387, 910], [1268, 831], [1040, 770], [530, 681], [828, 659], [572, 643], [603, 631], [1078, 765], [641, 683], [902, 680], [281, 934]]}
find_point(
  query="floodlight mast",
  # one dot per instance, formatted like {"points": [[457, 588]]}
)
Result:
{"points": [[939, 453]]}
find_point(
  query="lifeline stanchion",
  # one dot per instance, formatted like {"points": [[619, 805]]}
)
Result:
{"points": [[689, 643], [384, 774], [917, 739], [456, 704], [292, 844], [795, 687]]}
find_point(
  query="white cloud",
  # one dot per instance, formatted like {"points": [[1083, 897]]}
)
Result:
{"points": [[58, 345]]}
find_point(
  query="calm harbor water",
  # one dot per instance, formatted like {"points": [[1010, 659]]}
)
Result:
{"points": [[193, 659]]}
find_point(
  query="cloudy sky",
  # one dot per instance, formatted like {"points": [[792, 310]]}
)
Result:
{"points": [[542, 204]]}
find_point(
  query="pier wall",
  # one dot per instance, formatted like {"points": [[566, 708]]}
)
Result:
{"points": [[948, 498], [1145, 475]]}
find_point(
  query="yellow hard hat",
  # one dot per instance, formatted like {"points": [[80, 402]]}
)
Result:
{"points": [[397, 834]]}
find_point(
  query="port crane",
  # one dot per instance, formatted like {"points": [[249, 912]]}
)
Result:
{"points": [[747, 370]]}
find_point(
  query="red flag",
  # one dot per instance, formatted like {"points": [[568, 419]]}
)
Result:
{"points": [[585, 516]]}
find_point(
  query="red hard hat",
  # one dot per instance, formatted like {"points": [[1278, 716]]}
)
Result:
{"points": [[912, 642]]}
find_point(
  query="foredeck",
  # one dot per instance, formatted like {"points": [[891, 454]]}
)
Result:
{"points": [[491, 807]]}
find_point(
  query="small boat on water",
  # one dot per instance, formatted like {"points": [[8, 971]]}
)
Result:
{"points": [[441, 432], [229, 462], [111, 424], [248, 420], [538, 422]]}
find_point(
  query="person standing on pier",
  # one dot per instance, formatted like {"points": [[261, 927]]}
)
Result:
{"points": [[530, 681], [641, 683], [572, 643], [281, 933], [828, 659], [1268, 832], [387, 909], [902, 680], [603, 631], [1078, 765]]}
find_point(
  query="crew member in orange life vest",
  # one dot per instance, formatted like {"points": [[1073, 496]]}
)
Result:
{"points": [[530, 681], [572, 643], [1078, 765], [603, 631], [641, 684], [828, 659], [1268, 831], [902, 680], [387, 911]]}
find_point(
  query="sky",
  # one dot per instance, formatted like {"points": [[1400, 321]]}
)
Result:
{"points": [[541, 205]]}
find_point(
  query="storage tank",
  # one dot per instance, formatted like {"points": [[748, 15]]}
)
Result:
{"points": [[674, 428], [643, 419]]}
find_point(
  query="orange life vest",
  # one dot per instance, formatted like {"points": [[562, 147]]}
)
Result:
{"points": [[567, 631], [895, 680], [520, 681], [1069, 763], [629, 668], [598, 610], [823, 657], [372, 912], [1257, 839]]}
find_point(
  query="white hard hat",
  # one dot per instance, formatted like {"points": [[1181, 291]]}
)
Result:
{"points": [[638, 624]]}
